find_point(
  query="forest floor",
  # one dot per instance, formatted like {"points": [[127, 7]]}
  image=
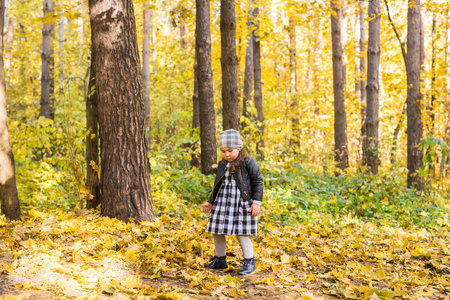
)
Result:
{"points": [[55, 254]]}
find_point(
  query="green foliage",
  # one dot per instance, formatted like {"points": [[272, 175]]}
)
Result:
{"points": [[297, 192]]}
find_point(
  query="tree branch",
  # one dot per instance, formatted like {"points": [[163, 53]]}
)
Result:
{"points": [[402, 46]]}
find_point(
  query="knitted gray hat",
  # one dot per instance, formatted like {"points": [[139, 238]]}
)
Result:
{"points": [[230, 139]]}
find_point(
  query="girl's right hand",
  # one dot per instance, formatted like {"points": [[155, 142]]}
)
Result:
{"points": [[206, 207]]}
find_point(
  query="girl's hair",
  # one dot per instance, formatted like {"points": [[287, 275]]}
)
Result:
{"points": [[243, 154]]}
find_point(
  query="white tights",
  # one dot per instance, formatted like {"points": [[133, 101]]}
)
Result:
{"points": [[220, 245]]}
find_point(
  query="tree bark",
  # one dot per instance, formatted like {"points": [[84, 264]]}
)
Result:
{"points": [[295, 127], [248, 72], [92, 141], [362, 79], [373, 71], [205, 87], [195, 160], [60, 49], [47, 76], [340, 116], [147, 14], [8, 46], [433, 74], [414, 96], [125, 169], [344, 39], [257, 86], [229, 63], [9, 199]]}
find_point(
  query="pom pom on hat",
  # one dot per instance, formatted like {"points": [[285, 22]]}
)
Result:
{"points": [[230, 139]]}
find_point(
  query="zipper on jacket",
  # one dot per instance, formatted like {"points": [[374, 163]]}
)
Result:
{"points": [[243, 184], [218, 181]]}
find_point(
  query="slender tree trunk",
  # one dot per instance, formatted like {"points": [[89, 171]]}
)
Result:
{"points": [[183, 32], [257, 86], [205, 87], [80, 27], [47, 78], [8, 46], [445, 163], [362, 82], [195, 160], [229, 63], [433, 75], [60, 49], [340, 116], [248, 72], [147, 14], [92, 141], [373, 71], [295, 135], [317, 65], [9, 200], [344, 39], [414, 121], [125, 169]]}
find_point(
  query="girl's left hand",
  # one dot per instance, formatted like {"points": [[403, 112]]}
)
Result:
{"points": [[255, 209]]}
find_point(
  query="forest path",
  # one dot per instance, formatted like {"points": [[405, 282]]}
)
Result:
{"points": [[65, 255]]}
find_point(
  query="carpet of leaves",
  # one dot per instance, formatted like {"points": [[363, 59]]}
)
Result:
{"points": [[55, 254]]}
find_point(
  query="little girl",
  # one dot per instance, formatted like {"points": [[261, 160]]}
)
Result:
{"points": [[235, 202]]}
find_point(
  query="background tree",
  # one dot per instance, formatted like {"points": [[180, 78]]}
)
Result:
{"points": [[340, 116], [373, 71], [47, 76], [9, 199], [148, 13], [361, 82], [248, 71], [295, 127], [92, 141], [125, 169], [257, 97], [414, 121], [205, 87], [229, 63]]}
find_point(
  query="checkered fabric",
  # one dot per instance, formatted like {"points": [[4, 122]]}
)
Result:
{"points": [[230, 139], [230, 214]]}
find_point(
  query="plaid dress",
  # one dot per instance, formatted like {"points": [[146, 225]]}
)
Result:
{"points": [[230, 213]]}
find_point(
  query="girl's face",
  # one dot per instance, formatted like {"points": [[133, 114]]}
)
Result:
{"points": [[229, 154]]}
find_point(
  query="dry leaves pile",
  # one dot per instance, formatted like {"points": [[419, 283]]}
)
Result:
{"points": [[56, 255]]}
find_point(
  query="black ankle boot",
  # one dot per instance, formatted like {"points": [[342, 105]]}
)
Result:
{"points": [[217, 263], [249, 266]]}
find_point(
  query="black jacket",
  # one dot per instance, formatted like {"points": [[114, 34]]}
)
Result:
{"points": [[248, 179]]}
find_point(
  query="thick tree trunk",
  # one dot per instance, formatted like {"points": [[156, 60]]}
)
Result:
{"points": [[340, 116], [295, 127], [9, 200], [373, 71], [257, 86], [146, 69], [414, 121], [362, 79], [248, 72], [47, 77], [125, 169], [229, 63], [205, 87], [92, 142]]}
